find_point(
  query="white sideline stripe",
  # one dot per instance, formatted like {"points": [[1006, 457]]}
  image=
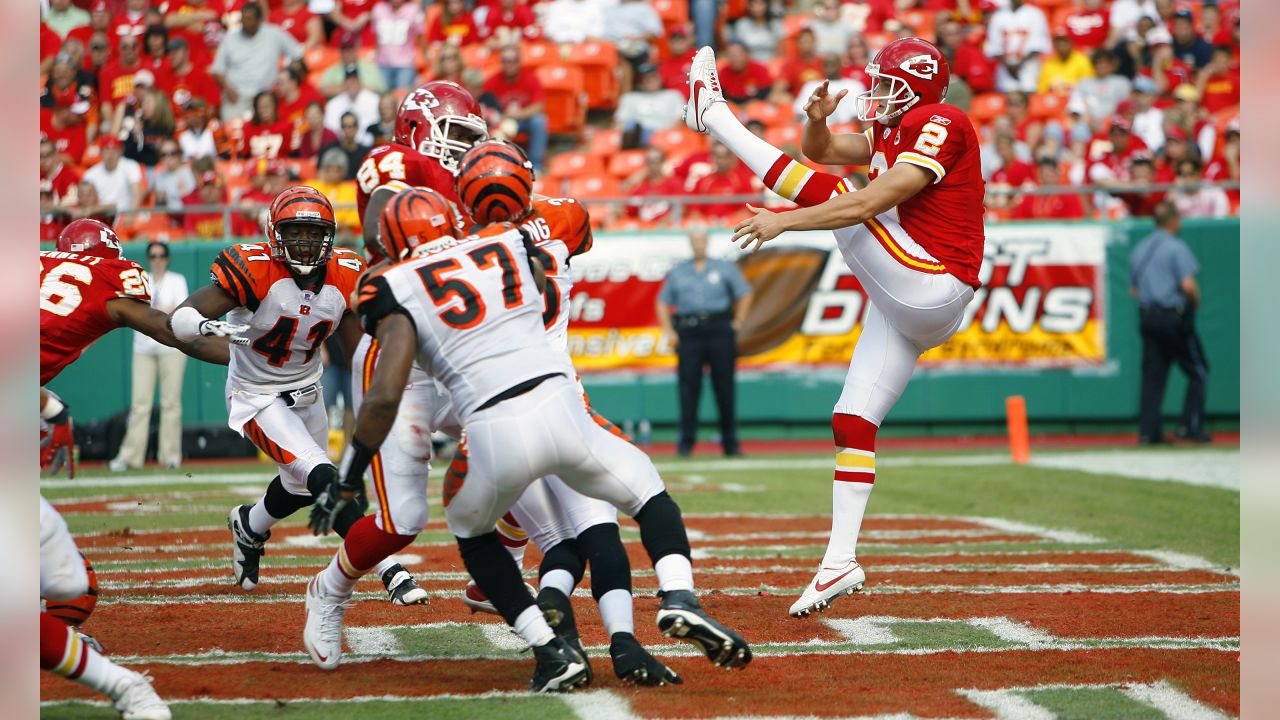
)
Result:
{"points": [[1007, 705], [1207, 468], [599, 705], [1013, 632], [501, 637], [1013, 527], [372, 640], [490, 695], [1175, 704], [1043, 589], [1184, 561], [867, 630], [824, 463]]}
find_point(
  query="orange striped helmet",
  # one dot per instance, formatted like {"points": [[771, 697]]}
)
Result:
{"points": [[495, 182], [416, 217], [300, 229]]}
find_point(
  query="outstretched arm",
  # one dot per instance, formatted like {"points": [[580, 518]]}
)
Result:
{"points": [[887, 191], [147, 320], [192, 318]]}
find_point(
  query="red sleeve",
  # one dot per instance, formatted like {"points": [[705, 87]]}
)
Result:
{"points": [[435, 33], [529, 24], [934, 138], [532, 87], [126, 279]]}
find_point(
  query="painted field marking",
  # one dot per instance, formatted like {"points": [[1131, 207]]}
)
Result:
{"points": [[1162, 697], [1209, 468], [372, 640], [1013, 528], [599, 705], [502, 638]]}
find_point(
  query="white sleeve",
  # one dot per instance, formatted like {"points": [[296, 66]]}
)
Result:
{"points": [[994, 46], [1039, 41]]}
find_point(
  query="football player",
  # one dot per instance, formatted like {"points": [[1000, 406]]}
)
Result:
{"points": [[913, 237], [569, 529], [87, 289], [471, 311], [292, 293]]}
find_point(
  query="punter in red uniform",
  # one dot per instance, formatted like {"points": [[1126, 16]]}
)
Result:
{"points": [[918, 265]]}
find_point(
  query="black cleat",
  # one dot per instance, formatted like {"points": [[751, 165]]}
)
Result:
{"points": [[247, 548], [681, 617], [560, 667], [633, 664], [558, 611], [402, 589]]}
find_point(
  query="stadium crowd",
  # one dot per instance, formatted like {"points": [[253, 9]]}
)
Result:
{"points": [[154, 114]]}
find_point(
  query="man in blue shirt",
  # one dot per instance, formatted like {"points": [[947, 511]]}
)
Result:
{"points": [[1162, 276], [701, 308]]}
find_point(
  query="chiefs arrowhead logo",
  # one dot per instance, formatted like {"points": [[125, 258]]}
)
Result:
{"points": [[922, 66]]}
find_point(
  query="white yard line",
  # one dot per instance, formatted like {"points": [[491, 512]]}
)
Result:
{"points": [[599, 705], [1209, 467], [1007, 705], [372, 640], [1175, 704]]}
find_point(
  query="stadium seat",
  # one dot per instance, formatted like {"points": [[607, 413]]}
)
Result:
{"points": [[433, 11], [625, 163], [1047, 106], [319, 58], [605, 142], [672, 12], [538, 54], [769, 113], [549, 185], [921, 21], [877, 40], [566, 98], [794, 23], [986, 107], [784, 135], [478, 56], [575, 164], [677, 139], [589, 187], [598, 61]]}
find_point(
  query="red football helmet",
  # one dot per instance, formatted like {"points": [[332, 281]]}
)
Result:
{"points": [[415, 217], [300, 229], [495, 182], [440, 120], [916, 73], [87, 236]]}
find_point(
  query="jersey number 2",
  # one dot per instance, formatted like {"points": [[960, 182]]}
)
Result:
{"points": [[443, 290]]}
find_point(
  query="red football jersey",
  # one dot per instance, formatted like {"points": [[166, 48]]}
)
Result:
{"points": [[946, 216], [74, 291], [397, 162]]}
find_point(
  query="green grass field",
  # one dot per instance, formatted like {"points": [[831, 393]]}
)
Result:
{"points": [[1066, 589]]}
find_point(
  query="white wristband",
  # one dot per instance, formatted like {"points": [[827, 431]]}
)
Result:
{"points": [[185, 323], [51, 408]]}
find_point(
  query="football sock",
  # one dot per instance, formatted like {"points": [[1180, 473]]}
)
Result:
{"points": [[776, 169], [513, 537], [610, 567], [497, 576], [276, 504], [365, 547], [855, 475], [675, 572], [616, 612], [566, 557], [559, 579], [63, 652], [533, 627]]}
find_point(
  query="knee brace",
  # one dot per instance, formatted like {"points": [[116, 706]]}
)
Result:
{"points": [[280, 503], [566, 556], [610, 567], [496, 574], [662, 528]]}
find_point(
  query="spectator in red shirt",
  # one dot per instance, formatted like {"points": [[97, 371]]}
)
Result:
{"points": [[741, 78], [115, 83], [965, 58], [454, 25], [1177, 147], [155, 51], [519, 93], [355, 16], [99, 21], [266, 134], [652, 180], [186, 80], [728, 176], [855, 59], [99, 53], [294, 94], [508, 22], [130, 23], [50, 43], [1045, 207], [806, 65], [1219, 82], [1011, 175], [295, 18], [1088, 25], [312, 134], [56, 177], [67, 109], [1225, 165], [209, 224], [1142, 171], [675, 69]]}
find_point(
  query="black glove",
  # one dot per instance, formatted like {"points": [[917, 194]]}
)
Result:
{"points": [[346, 487]]}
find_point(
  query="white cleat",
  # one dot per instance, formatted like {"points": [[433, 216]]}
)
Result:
{"points": [[323, 632], [137, 700], [704, 89], [827, 585]]}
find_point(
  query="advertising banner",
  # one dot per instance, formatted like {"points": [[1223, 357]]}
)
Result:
{"points": [[1041, 303]]}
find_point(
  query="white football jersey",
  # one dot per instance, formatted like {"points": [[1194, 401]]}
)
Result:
{"points": [[287, 325], [477, 311]]}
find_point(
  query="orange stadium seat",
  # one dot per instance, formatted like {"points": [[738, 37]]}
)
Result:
{"points": [[921, 21], [566, 98], [575, 164], [624, 164], [594, 186], [1047, 106], [986, 107], [672, 12], [549, 185], [478, 56], [770, 113], [538, 54], [434, 10], [605, 142], [598, 61], [784, 135], [676, 139], [319, 58], [794, 23], [877, 40]]}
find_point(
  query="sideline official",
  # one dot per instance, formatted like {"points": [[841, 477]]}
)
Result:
{"points": [[1162, 276], [701, 308]]}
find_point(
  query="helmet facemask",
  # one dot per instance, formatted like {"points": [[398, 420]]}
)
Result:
{"points": [[304, 245], [451, 136], [875, 105]]}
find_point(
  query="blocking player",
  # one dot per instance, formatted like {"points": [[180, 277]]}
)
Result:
{"points": [[913, 237], [292, 293], [570, 529], [470, 310]]}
